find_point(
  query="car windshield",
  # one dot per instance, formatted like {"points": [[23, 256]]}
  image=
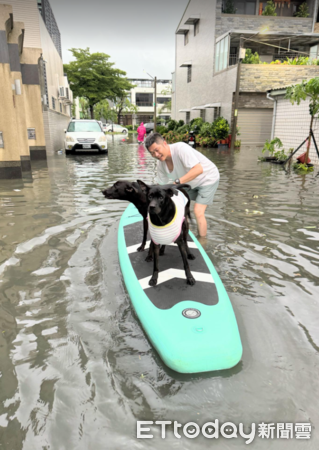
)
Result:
{"points": [[85, 127]]}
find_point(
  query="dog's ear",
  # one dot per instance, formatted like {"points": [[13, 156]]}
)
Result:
{"points": [[171, 192], [144, 187], [131, 189]]}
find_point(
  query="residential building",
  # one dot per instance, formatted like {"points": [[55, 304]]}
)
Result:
{"points": [[35, 97], [208, 43], [142, 95]]}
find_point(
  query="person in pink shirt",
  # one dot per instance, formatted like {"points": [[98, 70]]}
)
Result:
{"points": [[141, 132]]}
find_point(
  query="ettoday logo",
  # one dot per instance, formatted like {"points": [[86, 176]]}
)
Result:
{"points": [[227, 430]]}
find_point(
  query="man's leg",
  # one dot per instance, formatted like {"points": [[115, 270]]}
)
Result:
{"points": [[199, 211]]}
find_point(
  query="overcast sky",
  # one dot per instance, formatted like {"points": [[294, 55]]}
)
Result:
{"points": [[137, 34]]}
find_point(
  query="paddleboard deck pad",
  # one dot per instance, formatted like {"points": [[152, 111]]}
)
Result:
{"points": [[193, 328]]}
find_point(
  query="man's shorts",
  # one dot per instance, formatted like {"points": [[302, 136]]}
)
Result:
{"points": [[204, 195]]}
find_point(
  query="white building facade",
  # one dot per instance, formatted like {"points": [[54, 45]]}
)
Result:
{"points": [[207, 43]]}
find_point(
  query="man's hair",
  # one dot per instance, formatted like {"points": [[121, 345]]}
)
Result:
{"points": [[152, 138]]}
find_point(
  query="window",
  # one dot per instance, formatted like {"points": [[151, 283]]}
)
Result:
{"points": [[203, 114], [186, 38], [67, 92], [1, 140], [189, 74], [53, 103], [31, 133], [60, 107], [162, 100], [196, 28], [188, 116], [144, 99], [221, 54], [313, 52], [76, 127]]}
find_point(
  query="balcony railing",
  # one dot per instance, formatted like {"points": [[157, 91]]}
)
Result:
{"points": [[291, 55], [233, 59], [144, 104]]}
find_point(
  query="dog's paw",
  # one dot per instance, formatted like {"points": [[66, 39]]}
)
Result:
{"points": [[141, 248], [149, 258], [191, 281], [191, 256], [153, 281]]}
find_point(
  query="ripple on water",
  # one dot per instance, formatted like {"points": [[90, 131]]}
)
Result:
{"points": [[76, 367]]}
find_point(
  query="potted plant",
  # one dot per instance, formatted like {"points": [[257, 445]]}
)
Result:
{"points": [[270, 9], [237, 144], [271, 148], [220, 131]]}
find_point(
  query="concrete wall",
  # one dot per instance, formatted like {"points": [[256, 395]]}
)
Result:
{"points": [[54, 121], [292, 126], [200, 51], [226, 22], [54, 125], [27, 11], [262, 77]]}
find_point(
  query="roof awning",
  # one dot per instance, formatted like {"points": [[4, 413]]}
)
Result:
{"points": [[184, 110], [186, 64], [199, 107], [182, 31], [192, 20], [213, 105]]}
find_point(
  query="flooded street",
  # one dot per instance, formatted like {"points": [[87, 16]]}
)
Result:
{"points": [[76, 369]]}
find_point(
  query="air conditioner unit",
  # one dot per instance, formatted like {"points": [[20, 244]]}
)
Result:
{"points": [[62, 93]]}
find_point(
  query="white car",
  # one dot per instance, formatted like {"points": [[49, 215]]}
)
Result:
{"points": [[84, 136], [114, 128]]}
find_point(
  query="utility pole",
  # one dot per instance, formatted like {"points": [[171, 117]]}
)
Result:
{"points": [[234, 127], [155, 81]]}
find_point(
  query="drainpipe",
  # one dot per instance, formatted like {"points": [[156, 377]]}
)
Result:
{"points": [[273, 116], [315, 12]]}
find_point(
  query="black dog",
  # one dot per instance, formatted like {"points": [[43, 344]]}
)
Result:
{"points": [[162, 209], [131, 192]]}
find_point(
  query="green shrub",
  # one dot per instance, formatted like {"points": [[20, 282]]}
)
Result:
{"points": [[251, 58], [270, 9], [271, 146], [180, 123], [161, 129], [129, 127], [172, 125], [303, 10], [220, 129], [206, 130]]}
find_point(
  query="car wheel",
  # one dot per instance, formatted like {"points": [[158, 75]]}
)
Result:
{"points": [[124, 132], [68, 152]]}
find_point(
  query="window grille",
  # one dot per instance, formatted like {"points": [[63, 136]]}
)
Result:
{"points": [[188, 116], [53, 103], [189, 74], [203, 114], [186, 38], [31, 133]]}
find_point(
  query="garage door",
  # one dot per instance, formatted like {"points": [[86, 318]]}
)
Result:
{"points": [[255, 125]]}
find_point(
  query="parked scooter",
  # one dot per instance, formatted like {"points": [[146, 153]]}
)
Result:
{"points": [[192, 139]]}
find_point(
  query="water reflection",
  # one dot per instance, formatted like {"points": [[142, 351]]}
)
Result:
{"points": [[77, 370]]}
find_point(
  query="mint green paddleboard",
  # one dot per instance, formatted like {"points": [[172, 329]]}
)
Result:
{"points": [[193, 328]]}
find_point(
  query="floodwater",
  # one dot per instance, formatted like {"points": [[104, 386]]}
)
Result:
{"points": [[76, 369]]}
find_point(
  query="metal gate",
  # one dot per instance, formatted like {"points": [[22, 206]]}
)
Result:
{"points": [[254, 125]]}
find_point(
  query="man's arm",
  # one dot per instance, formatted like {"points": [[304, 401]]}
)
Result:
{"points": [[192, 174]]}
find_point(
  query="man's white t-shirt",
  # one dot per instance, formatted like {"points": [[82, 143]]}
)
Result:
{"points": [[184, 159]]}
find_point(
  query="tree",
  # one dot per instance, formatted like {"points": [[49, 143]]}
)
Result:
{"points": [[229, 7], [303, 10], [103, 109], [92, 76], [167, 106], [306, 90], [122, 104]]}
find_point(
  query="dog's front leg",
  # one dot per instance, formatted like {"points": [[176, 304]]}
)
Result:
{"points": [[182, 247], [153, 280], [145, 229], [162, 250], [185, 234], [149, 257]]}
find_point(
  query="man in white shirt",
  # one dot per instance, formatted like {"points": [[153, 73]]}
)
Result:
{"points": [[180, 163]]}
